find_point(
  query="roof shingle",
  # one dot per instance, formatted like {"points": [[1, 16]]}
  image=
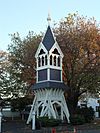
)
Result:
{"points": [[48, 40]]}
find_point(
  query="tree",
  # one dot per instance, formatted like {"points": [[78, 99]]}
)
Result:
{"points": [[22, 68], [3, 72], [79, 39]]}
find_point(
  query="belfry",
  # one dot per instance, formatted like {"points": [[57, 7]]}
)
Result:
{"points": [[49, 87]]}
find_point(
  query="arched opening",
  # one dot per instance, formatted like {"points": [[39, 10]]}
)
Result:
{"points": [[39, 62], [50, 59], [54, 60], [42, 61], [46, 60], [59, 61]]}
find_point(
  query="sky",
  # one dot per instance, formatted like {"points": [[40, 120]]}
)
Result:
{"points": [[23, 16]]}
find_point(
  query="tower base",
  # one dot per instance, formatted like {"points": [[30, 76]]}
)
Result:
{"points": [[49, 102]]}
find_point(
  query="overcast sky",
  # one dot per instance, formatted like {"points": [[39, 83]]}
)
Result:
{"points": [[31, 15]]}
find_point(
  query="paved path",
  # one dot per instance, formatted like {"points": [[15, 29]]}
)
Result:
{"points": [[21, 127]]}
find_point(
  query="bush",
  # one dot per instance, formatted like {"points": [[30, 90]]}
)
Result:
{"points": [[88, 113], [77, 119], [20, 103], [46, 122], [82, 115]]}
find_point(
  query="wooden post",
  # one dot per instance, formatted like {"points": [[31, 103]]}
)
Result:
{"points": [[33, 120]]}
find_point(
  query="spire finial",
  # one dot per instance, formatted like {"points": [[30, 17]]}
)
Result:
{"points": [[48, 18]]}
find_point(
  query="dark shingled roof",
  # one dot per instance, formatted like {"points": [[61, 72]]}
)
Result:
{"points": [[48, 39], [50, 84]]}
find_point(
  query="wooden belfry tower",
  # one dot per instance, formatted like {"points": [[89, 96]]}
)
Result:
{"points": [[49, 88]]}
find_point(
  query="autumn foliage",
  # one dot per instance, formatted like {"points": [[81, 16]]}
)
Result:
{"points": [[79, 39]]}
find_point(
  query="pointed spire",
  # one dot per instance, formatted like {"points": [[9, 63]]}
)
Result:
{"points": [[49, 19], [48, 40]]}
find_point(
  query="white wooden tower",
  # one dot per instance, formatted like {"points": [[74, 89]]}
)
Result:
{"points": [[49, 88]]}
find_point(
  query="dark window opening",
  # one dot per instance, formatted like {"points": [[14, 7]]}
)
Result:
{"points": [[41, 52], [46, 60], [50, 59], [42, 61], [55, 51], [58, 61], [39, 62], [54, 60]]}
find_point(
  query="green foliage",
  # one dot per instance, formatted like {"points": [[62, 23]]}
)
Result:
{"points": [[46, 122], [3, 73], [82, 115], [77, 119], [19, 104], [88, 113], [22, 68]]}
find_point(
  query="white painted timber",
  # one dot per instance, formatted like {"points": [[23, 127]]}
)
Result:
{"points": [[33, 120], [49, 100]]}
